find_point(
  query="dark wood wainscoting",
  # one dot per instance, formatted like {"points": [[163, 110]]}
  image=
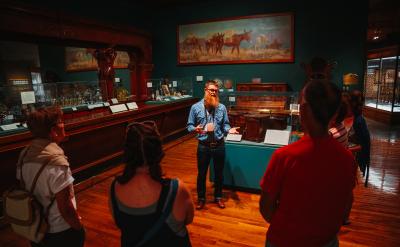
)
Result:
{"points": [[96, 140]]}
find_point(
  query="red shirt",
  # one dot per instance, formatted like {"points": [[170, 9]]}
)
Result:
{"points": [[313, 179]]}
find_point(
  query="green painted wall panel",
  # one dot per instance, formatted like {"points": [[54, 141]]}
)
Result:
{"points": [[326, 29], [245, 164]]}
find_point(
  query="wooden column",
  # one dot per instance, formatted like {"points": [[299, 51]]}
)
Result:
{"points": [[144, 71], [132, 66]]}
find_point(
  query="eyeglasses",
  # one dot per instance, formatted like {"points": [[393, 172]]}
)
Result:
{"points": [[212, 90]]}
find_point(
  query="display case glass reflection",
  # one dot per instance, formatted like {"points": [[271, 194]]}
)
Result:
{"points": [[257, 111], [163, 90], [19, 99], [225, 82], [381, 91]]}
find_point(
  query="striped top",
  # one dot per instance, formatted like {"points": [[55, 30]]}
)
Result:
{"points": [[339, 132]]}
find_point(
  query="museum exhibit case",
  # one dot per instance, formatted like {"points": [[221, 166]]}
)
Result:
{"points": [[225, 82], [381, 86], [17, 100], [166, 90], [267, 120], [256, 111], [95, 134]]}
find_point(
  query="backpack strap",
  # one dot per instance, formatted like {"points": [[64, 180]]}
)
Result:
{"points": [[19, 164], [167, 208], [37, 176], [33, 186]]}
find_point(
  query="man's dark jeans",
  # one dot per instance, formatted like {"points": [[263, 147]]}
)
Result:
{"points": [[204, 156]]}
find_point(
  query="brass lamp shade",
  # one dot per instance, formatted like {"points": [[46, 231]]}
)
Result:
{"points": [[350, 79]]}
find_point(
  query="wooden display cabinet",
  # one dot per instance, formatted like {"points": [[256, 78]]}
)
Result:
{"points": [[381, 85], [256, 107]]}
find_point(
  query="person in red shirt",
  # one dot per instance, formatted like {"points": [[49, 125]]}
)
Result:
{"points": [[307, 184]]}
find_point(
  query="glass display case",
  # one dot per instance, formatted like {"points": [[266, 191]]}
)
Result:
{"points": [[225, 82], [381, 85], [257, 111], [18, 99], [163, 90]]}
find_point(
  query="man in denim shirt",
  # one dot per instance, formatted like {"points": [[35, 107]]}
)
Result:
{"points": [[209, 119]]}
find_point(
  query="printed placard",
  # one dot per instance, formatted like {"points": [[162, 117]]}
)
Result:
{"points": [[28, 97], [118, 108], [234, 137], [277, 137], [132, 106], [12, 126]]}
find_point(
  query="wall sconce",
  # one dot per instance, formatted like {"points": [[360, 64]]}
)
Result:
{"points": [[348, 80]]}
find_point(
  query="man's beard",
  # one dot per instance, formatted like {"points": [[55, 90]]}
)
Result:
{"points": [[211, 101]]}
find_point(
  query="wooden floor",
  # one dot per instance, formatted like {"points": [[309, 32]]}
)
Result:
{"points": [[375, 216]]}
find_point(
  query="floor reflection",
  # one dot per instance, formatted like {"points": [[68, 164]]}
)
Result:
{"points": [[383, 181], [385, 157]]}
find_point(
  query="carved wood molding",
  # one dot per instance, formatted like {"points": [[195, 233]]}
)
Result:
{"points": [[24, 20], [105, 59], [30, 23]]}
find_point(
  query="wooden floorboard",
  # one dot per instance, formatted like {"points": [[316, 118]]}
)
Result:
{"points": [[375, 216]]}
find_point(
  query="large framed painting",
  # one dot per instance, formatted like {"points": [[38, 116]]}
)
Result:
{"points": [[82, 59], [249, 39]]}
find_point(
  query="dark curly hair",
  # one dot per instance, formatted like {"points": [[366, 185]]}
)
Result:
{"points": [[324, 98], [143, 147]]}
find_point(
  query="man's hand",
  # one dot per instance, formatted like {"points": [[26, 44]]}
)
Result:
{"points": [[198, 129], [234, 130]]}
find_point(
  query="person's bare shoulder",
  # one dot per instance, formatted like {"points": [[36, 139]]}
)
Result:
{"points": [[183, 190]]}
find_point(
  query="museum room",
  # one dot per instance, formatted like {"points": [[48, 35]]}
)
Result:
{"points": [[200, 123]]}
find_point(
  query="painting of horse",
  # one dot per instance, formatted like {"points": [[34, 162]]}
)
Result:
{"points": [[265, 38], [82, 59]]}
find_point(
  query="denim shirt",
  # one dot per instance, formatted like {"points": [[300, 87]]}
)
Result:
{"points": [[198, 115]]}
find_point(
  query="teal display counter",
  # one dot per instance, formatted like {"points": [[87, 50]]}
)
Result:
{"points": [[245, 164]]}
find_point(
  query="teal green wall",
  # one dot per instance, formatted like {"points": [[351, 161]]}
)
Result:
{"points": [[334, 30], [329, 29]]}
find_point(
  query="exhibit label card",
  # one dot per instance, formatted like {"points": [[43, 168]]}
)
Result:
{"points": [[28, 97], [118, 108], [277, 137], [114, 101], [132, 105], [234, 137], [12, 126]]}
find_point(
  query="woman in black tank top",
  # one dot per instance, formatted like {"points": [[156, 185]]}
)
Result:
{"points": [[149, 209]]}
